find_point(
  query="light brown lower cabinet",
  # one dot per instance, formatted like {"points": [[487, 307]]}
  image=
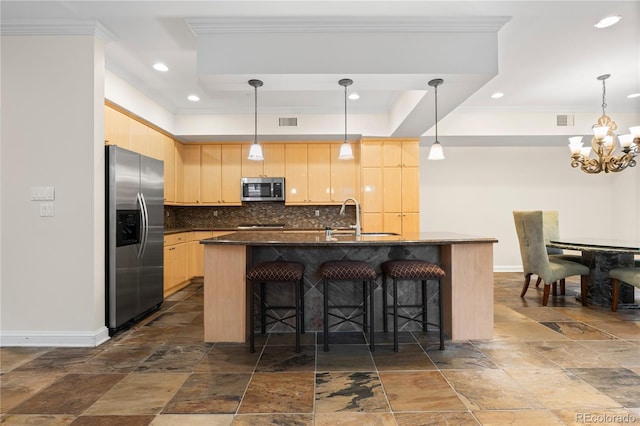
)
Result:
{"points": [[184, 258]]}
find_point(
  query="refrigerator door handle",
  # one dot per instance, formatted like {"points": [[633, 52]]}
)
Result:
{"points": [[144, 225]]}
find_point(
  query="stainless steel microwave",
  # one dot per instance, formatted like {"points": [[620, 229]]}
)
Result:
{"points": [[262, 189]]}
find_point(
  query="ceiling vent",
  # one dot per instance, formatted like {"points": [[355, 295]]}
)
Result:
{"points": [[565, 120], [288, 122]]}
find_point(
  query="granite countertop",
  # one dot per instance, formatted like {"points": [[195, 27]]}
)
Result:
{"points": [[235, 229], [306, 238]]}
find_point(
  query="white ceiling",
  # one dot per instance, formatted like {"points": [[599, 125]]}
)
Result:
{"points": [[546, 55]]}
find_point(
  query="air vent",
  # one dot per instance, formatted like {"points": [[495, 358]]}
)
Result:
{"points": [[565, 120], [287, 122]]}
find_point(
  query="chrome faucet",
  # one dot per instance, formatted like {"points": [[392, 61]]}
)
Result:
{"points": [[357, 226]]}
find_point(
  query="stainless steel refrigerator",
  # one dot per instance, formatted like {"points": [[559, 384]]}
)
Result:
{"points": [[134, 237]]}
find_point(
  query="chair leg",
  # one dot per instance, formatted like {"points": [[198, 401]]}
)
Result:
{"points": [[554, 289], [538, 281], [302, 305], [297, 294], [263, 316], [424, 305], [562, 287], [325, 287], [252, 326], [441, 314], [364, 307], [395, 315], [545, 294], [525, 287], [615, 288], [371, 318], [583, 289], [385, 324]]}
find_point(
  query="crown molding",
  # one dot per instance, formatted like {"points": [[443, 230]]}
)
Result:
{"points": [[56, 27], [204, 26]]}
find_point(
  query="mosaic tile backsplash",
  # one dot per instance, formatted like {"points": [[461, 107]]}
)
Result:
{"points": [[263, 213]]}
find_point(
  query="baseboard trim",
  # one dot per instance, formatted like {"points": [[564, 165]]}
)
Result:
{"points": [[54, 338], [517, 268]]}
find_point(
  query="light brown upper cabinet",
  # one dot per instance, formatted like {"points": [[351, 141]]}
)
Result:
{"points": [[169, 154], [220, 174], [390, 185], [116, 128], [271, 166], [191, 172]]}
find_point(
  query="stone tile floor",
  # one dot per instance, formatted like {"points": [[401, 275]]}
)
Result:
{"points": [[560, 364]]}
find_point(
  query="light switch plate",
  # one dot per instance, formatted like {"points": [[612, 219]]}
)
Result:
{"points": [[42, 193], [46, 209]]}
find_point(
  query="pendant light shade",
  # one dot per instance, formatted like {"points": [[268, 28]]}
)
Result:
{"points": [[346, 153], [436, 152], [255, 152]]}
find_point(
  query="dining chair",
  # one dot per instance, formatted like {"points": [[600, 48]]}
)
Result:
{"points": [[551, 231], [535, 260], [630, 275]]}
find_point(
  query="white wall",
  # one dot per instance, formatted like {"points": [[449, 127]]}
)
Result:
{"points": [[52, 268], [475, 189]]}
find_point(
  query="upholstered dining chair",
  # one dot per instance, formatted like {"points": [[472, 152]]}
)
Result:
{"points": [[535, 260], [628, 275], [551, 231]]}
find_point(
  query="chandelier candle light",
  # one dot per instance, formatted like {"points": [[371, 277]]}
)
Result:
{"points": [[346, 153], [255, 152], [604, 143]]}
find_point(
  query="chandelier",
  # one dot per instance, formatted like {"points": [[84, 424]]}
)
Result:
{"points": [[604, 143]]}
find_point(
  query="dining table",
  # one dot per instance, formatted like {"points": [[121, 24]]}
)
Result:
{"points": [[602, 255]]}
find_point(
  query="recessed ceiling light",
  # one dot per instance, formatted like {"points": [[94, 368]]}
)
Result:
{"points": [[608, 21], [354, 96], [160, 67], [497, 95], [193, 98], [633, 95]]}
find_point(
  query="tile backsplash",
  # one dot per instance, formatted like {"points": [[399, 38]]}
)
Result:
{"points": [[263, 213]]}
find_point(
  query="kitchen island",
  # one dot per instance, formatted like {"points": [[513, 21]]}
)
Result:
{"points": [[467, 287]]}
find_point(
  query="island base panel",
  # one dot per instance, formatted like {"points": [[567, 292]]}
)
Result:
{"points": [[225, 294], [468, 304]]}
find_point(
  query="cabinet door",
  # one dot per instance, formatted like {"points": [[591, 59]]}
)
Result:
{"points": [[179, 173], [295, 173], [392, 193], [343, 176], [273, 159], [116, 128], [372, 189], [319, 172], [410, 153], [155, 144], [169, 154], [191, 173], [231, 173], [393, 222], [252, 168], [392, 153], [138, 141], [211, 174], [372, 222], [169, 274], [410, 223], [410, 189], [371, 153]]}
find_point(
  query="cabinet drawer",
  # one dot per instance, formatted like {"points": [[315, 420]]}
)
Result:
{"points": [[171, 239]]}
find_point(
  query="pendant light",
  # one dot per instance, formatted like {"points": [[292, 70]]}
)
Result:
{"points": [[346, 153], [255, 152], [436, 149]]}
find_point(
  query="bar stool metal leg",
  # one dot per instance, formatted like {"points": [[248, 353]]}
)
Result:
{"points": [[395, 314], [325, 286], [252, 347]]}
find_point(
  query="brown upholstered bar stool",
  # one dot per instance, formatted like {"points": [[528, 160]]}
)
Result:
{"points": [[411, 270], [349, 270], [270, 272]]}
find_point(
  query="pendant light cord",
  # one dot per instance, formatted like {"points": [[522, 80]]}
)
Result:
{"points": [[345, 113], [436, 94], [604, 94], [255, 115]]}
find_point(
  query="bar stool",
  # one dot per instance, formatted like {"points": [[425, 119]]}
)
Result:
{"points": [[348, 270], [410, 270], [277, 271]]}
